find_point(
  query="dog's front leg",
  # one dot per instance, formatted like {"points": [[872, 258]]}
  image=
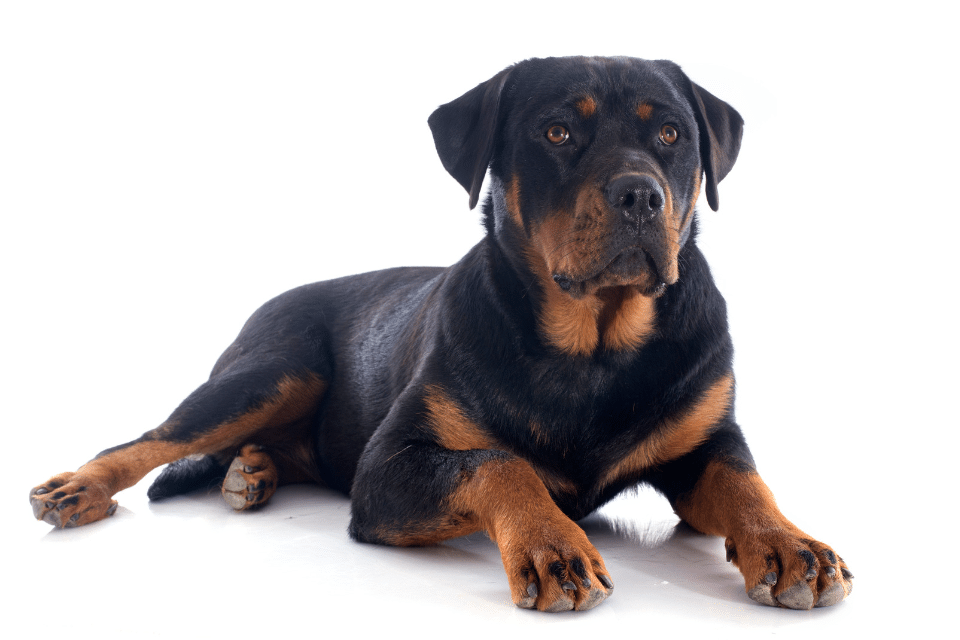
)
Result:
{"points": [[781, 565], [409, 493]]}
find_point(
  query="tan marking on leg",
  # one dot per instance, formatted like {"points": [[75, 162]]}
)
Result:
{"points": [[116, 470], [725, 501], [762, 542], [537, 541], [430, 533], [456, 432], [555, 484], [678, 435], [125, 467]]}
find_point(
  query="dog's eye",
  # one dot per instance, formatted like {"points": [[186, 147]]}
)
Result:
{"points": [[557, 134], [668, 134]]}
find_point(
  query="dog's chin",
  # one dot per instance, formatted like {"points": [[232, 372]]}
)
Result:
{"points": [[632, 267]]}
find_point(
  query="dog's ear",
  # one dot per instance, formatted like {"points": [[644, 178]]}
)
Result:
{"points": [[721, 129], [465, 131]]}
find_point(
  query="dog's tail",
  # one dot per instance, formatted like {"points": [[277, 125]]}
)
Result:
{"points": [[186, 475]]}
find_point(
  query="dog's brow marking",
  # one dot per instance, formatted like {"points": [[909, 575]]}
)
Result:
{"points": [[586, 106], [645, 111]]}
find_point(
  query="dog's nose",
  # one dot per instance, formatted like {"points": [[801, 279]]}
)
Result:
{"points": [[636, 196]]}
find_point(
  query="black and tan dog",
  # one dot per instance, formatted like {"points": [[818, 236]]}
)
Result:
{"points": [[579, 349]]}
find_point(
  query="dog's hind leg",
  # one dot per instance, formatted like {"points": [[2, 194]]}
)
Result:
{"points": [[239, 405], [188, 474], [247, 481]]}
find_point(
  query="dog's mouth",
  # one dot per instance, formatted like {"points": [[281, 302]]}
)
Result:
{"points": [[631, 267]]}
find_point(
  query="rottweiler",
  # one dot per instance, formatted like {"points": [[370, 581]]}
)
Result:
{"points": [[579, 349]]}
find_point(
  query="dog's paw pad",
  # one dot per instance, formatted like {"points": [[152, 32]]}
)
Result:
{"points": [[594, 597], [763, 593], [792, 571], [832, 595], [799, 596], [251, 479], [558, 574]]}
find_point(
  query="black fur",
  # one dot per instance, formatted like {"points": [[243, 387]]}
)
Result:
{"points": [[185, 475], [579, 349], [381, 338]]}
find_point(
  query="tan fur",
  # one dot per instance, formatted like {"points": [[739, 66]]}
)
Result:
{"points": [[586, 106], [456, 432], [739, 506], [613, 313], [512, 198], [509, 501], [677, 435], [628, 318], [102, 477], [451, 426]]}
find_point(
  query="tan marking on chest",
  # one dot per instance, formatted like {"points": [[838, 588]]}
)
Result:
{"points": [[628, 318], [570, 325], [454, 430], [677, 435]]}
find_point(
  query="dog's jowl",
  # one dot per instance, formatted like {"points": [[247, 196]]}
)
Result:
{"points": [[579, 349]]}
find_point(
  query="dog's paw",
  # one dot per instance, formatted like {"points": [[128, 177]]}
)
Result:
{"points": [[784, 569], [555, 570], [70, 500], [250, 480]]}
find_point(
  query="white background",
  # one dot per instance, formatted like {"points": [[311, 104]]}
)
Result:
{"points": [[167, 167]]}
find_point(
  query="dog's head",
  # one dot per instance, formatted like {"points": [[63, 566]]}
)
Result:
{"points": [[595, 163]]}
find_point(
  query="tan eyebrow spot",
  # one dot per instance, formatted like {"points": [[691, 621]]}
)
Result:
{"points": [[644, 110], [586, 106]]}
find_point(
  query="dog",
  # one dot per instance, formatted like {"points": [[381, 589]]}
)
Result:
{"points": [[579, 349]]}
